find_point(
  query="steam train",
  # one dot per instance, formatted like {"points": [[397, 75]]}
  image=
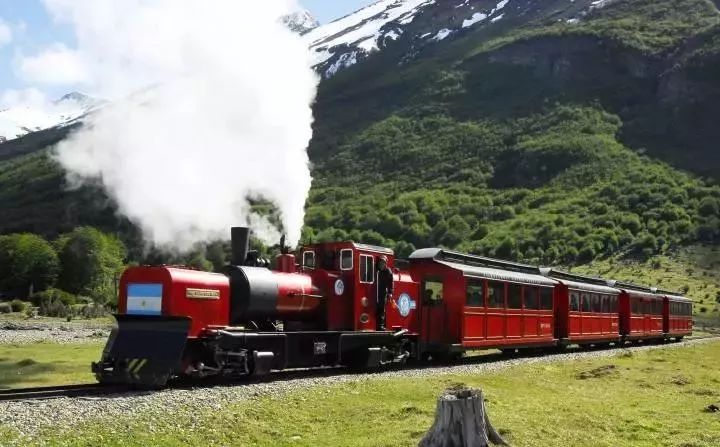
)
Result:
{"points": [[176, 322]]}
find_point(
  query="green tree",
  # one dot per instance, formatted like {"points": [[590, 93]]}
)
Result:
{"points": [[28, 263], [90, 262]]}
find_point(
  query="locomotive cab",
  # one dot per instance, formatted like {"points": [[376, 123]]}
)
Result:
{"points": [[346, 274]]}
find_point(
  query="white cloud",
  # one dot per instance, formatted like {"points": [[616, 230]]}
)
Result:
{"points": [[29, 97], [56, 65], [6, 35]]}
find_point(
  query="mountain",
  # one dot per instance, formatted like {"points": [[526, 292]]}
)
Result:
{"points": [[18, 121], [553, 131], [421, 23], [301, 21]]}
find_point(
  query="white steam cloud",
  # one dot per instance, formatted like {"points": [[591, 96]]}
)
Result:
{"points": [[220, 112]]}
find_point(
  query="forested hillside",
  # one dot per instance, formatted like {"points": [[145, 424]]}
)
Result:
{"points": [[547, 140]]}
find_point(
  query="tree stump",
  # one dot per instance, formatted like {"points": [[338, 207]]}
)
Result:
{"points": [[461, 421]]}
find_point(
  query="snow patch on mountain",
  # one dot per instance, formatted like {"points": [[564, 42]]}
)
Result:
{"points": [[301, 22], [361, 32], [21, 120]]}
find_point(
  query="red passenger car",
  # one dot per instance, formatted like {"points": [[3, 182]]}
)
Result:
{"points": [[587, 310], [677, 315], [472, 302], [641, 312]]}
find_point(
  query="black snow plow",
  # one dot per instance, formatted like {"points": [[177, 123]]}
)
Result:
{"points": [[143, 350]]}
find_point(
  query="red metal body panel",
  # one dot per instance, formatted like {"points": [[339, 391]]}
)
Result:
{"points": [[404, 310], [677, 316], [641, 315], [436, 322], [297, 299], [484, 326], [351, 288], [452, 321], [587, 313], [202, 296]]}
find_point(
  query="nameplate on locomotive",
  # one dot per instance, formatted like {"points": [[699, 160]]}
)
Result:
{"points": [[202, 294]]}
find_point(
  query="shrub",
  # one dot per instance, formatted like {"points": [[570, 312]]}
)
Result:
{"points": [[5, 308], [703, 310], [18, 306], [54, 295], [54, 309]]}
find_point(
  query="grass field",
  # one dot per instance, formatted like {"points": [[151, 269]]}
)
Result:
{"points": [[653, 398], [45, 364]]}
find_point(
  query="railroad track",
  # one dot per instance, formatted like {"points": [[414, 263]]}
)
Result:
{"points": [[97, 390], [51, 392]]}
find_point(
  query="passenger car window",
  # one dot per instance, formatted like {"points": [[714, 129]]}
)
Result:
{"points": [[546, 298], [432, 291], [475, 292], [367, 269], [635, 305], [496, 294], [574, 302], [346, 259], [596, 303], [604, 304], [586, 302], [514, 300], [532, 299], [613, 304]]}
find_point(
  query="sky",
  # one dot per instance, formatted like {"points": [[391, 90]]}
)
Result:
{"points": [[31, 41]]}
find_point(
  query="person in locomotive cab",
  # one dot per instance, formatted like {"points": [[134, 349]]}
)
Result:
{"points": [[384, 290]]}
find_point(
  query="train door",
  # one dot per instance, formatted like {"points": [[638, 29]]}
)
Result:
{"points": [[366, 292], [433, 310]]}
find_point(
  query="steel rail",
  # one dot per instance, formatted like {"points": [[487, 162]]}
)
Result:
{"points": [[51, 392]]}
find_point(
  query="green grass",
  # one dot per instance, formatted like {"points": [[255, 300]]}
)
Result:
{"points": [[47, 364], [645, 399]]}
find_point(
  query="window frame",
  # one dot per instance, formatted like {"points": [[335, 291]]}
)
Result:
{"points": [[574, 295], [536, 292], [362, 260], [585, 298], [436, 280], [551, 291], [314, 259], [520, 302], [490, 285], [468, 284], [352, 261]]}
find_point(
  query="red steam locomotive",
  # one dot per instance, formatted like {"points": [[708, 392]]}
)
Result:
{"points": [[177, 322]]}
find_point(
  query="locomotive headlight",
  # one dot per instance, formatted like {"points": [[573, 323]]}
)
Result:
{"points": [[364, 301]]}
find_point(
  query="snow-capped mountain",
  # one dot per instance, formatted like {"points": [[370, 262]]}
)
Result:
{"points": [[301, 22], [418, 23], [22, 120]]}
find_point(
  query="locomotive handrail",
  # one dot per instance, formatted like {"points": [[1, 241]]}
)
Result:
{"points": [[306, 295]]}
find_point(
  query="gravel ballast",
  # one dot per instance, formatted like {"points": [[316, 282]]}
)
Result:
{"points": [[52, 335], [30, 418]]}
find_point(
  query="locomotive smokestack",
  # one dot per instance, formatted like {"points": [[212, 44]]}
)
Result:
{"points": [[240, 243]]}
